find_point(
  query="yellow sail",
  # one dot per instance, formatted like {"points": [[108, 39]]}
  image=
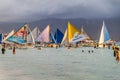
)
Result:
{"points": [[71, 31]]}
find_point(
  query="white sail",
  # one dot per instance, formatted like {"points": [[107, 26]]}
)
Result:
{"points": [[10, 34], [65, 38], [104, 36], [36, 32], [44, 36], [30, 38], [84, 32], [101, 40]]}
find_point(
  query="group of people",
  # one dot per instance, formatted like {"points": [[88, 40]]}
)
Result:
{"points": [[116, 52]]}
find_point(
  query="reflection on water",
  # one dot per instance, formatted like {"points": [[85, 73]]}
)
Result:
{"points": [[59, 64]]}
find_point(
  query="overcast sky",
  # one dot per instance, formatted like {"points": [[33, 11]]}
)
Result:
{"points": [[27, 10]]}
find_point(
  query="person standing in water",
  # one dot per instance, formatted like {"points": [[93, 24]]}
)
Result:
{"points": [[3, 49], [115, 49], [14, 50], [118, 56]]}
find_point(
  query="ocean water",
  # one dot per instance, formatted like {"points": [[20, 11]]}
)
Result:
{"points": [[59, 64]]}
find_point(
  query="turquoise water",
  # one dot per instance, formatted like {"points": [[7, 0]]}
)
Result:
{"points": [[59, 64]]}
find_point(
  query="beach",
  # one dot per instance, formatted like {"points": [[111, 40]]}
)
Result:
{"points": [[59, 64]]}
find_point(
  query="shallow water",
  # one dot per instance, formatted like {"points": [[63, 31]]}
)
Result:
{"points": [[59, 64]]}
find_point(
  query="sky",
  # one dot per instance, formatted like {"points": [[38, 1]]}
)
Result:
{"points": [[30, 10]]}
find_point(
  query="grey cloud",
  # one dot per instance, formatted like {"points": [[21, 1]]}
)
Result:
{"points": [[12, 10]]}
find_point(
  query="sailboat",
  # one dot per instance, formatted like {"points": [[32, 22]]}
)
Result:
{"points": [[58, 36], [72, 35], [30, 39], [88, 41], [19, 36], [44, 36], [104, 35], [32, 35]]}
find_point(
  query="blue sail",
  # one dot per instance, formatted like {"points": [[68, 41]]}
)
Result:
{"points": [[58, 36], [1, 37], [52, 39], [106, 34]]}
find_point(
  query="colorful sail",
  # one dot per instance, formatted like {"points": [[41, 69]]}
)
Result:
{"points": [[58, 36], [44, 36], [71, 31], [20, 36], [104, 36], [74, 35]]}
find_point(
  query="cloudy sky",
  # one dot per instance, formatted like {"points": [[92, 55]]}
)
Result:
{"points": [[27, 10]]}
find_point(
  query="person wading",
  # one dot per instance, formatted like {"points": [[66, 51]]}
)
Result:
{"points": [[118, 56], [14, 50], [3, 48]]}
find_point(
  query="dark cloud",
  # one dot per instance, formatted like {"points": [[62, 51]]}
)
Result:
{"points": [[21, 10]]}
